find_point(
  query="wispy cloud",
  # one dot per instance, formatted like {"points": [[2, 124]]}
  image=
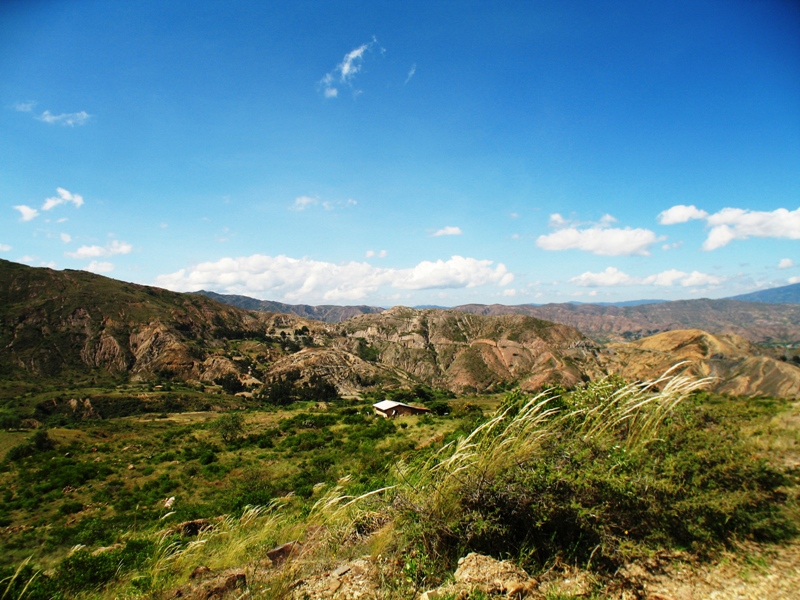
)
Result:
{"points": [[112, 248], [449, 230], [28, 213], [613, 277], [379, 254], [786, 263], [307, 280], [25, 106], [411, 72], [344, 73], [302, 203], [66, 238], [5, 248], [66, 119], [731, 224], [64, 196]]}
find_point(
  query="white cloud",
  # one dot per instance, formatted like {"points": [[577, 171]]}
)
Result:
{"points": [[665, 278], [681, 213], [786, 263], [67, 119], [66, 238], [100, 267], [112, 248], [697, 279], [28, 213], [292, 279], [458, 272], [372, 253], [303, 202], [610, 277], [614, 277], [737, 223], [5, 248], [604, 241], [607, 220], [25, 106], [411, 72], [795, 279], [346, 70], [556, 220], [449, 230], [63, 197]]}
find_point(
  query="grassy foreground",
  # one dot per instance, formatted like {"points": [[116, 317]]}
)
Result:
{"points": [[595, 477]]}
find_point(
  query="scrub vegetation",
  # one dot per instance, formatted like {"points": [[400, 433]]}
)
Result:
{"points": [[596, 477]]}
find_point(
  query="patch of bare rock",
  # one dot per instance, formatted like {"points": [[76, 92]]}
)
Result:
{"points": [[752, 573], [356, 580]]}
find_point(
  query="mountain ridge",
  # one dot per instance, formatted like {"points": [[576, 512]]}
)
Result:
{"points": [[58, 323]]}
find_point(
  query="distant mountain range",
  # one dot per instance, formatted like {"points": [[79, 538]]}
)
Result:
{"points": [[326, 313], [59, 325], [758, 321], [787, 294]]}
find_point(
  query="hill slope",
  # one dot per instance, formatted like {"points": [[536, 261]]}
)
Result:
{"points": [[55, 321], [738, 366]]}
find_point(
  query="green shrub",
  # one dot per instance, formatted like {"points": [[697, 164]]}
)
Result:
{"points": [[584, 478]]}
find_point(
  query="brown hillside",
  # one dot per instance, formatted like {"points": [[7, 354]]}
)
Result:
{"points": [[737, 364], [466, 352]]}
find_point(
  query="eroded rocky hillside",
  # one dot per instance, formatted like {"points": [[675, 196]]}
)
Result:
{"points": [[57, 324]]}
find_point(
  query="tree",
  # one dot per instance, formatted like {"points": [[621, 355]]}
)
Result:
{"points": [[230, 427], [230, 383]]}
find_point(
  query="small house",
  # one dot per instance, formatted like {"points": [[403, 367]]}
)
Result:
{"points": [[389, 409]]}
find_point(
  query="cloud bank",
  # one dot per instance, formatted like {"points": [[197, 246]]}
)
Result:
{"points": [[731, 224], [612, 277], [307, 280]]}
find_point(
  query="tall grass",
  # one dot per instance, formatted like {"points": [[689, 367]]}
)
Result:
{"points": [[600, 474]]}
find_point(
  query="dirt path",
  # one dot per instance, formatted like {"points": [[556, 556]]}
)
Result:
{"points": [[758, 574]]}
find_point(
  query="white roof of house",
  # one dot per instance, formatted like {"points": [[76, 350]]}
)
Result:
{"points": [[387, 404]]}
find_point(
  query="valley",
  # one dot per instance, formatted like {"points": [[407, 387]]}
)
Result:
{"points": [[137, 422]]}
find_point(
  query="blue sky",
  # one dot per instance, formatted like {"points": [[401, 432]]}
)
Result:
{"points": [[405, 153]]}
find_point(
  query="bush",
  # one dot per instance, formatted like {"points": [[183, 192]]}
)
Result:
{"points": [[583, 478]]}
